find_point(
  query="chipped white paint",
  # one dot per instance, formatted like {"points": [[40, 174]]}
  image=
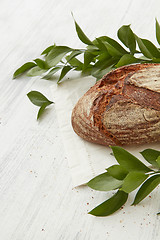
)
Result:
{"points": [[37, 201]]}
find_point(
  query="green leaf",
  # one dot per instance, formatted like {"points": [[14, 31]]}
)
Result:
{"points": [[127, 59], [158, 161], [73, 54], [92, 48], [132, 181], [113, 47], [104, 182], [143, 58], [155, 60], [102, 64], [23, 69], [127, 37], [99, 73], [148, 186], [151, 155], [157, 31], [38, 98], [47, 50], [148, 48], [128, 161], [143, 48], [75, 63], [50, 74], [88, 58], [42, 64], [56, 55], [117, 172], [42, 108], [111, 205], [64, 71], [99, 43], [81, 34], [103, 56], [35, 71]]}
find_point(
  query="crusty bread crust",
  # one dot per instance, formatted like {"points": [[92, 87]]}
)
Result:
{"points": [[114, 110]]}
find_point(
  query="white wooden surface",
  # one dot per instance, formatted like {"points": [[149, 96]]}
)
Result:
{"points": [[37, 200]]}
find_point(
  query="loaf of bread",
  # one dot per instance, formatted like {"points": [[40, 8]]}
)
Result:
{"points": [[123, 108]]}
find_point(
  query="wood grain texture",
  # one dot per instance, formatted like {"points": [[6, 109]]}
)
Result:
{"points": [[36, 196]]}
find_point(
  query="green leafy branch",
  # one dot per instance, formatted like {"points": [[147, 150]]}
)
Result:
{"points": [[98, 57], [126, 176], [39, 100]]}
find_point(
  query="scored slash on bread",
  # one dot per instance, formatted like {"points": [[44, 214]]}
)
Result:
{"points": [[122, 108]]}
